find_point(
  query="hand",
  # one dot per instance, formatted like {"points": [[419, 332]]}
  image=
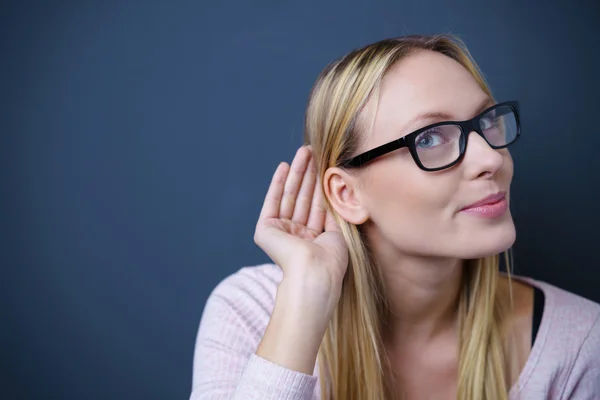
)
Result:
{"points": [[295, 229]]}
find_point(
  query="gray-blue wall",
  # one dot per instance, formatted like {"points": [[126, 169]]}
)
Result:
{"points": [[138, 139]]}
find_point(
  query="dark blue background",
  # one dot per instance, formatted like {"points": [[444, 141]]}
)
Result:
{"points": [[138, 139]]}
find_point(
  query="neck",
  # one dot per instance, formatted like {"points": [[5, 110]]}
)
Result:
{"points": [[423, 295]]}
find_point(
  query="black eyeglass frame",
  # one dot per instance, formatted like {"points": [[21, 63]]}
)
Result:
{"points": [[468, 126]]}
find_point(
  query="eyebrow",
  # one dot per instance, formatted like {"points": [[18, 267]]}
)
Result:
{"points": [[444, 116]]}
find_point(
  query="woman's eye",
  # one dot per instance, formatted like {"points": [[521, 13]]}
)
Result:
{"points": [[429, 139], [488, 122]]}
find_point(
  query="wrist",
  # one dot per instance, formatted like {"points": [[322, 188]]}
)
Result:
{"points": [[296, 327], [309, 294]]}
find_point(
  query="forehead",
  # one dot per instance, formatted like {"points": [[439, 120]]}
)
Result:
{"points": [[423, 82]]}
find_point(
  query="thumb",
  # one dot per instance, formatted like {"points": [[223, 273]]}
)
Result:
{"points": [[277, 244], [331, 224]]}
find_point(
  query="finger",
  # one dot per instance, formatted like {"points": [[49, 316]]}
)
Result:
{"points": [[331, 224], [270, 208], [316, 218], [293, 182], [306, 194]]}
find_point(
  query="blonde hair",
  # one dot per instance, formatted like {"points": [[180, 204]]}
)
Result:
{"points": [[352, 359]]}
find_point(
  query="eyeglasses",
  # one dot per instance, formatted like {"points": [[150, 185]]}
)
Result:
{"points": [[443, 144]]}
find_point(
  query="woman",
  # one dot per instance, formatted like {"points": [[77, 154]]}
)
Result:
{"points": [[386, 232]]}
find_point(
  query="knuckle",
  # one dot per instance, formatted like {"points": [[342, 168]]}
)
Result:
{"points": [[288, 201], [304, 199], [279, 179]]}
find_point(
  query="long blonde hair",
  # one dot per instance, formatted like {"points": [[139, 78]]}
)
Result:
{"points": [[352, 359]]}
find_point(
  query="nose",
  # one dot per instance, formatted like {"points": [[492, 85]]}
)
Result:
{"points": [[480, 159]]}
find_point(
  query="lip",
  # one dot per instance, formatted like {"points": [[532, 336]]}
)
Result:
{"points": [[491, 199], [492, 206]]}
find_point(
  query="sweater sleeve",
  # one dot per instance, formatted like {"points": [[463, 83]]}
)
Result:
{"points": [[584, 380], [232, 325]]}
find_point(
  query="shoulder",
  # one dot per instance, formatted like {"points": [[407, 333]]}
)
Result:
{"points": [[247, 295], [238, 310], [567, 348], [261, 280], [568, 316], [574, 322]]}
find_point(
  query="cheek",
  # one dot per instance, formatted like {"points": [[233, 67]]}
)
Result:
{"points": [[508, 165], [413, 212], [398, 190], [407, 207]]}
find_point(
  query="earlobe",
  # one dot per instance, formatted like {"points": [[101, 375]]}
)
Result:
{"points": [[341, 189]]}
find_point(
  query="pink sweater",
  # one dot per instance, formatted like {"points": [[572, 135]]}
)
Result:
{"points": [[564, 362]]}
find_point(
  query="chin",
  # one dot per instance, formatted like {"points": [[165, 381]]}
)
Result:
{"points": [[495, 241]]}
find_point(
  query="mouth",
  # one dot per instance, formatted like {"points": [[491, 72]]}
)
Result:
{"points": [[492, 206], [487, 201]]}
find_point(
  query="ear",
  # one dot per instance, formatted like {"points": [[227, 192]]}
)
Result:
{"points": [[341, 189]]}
